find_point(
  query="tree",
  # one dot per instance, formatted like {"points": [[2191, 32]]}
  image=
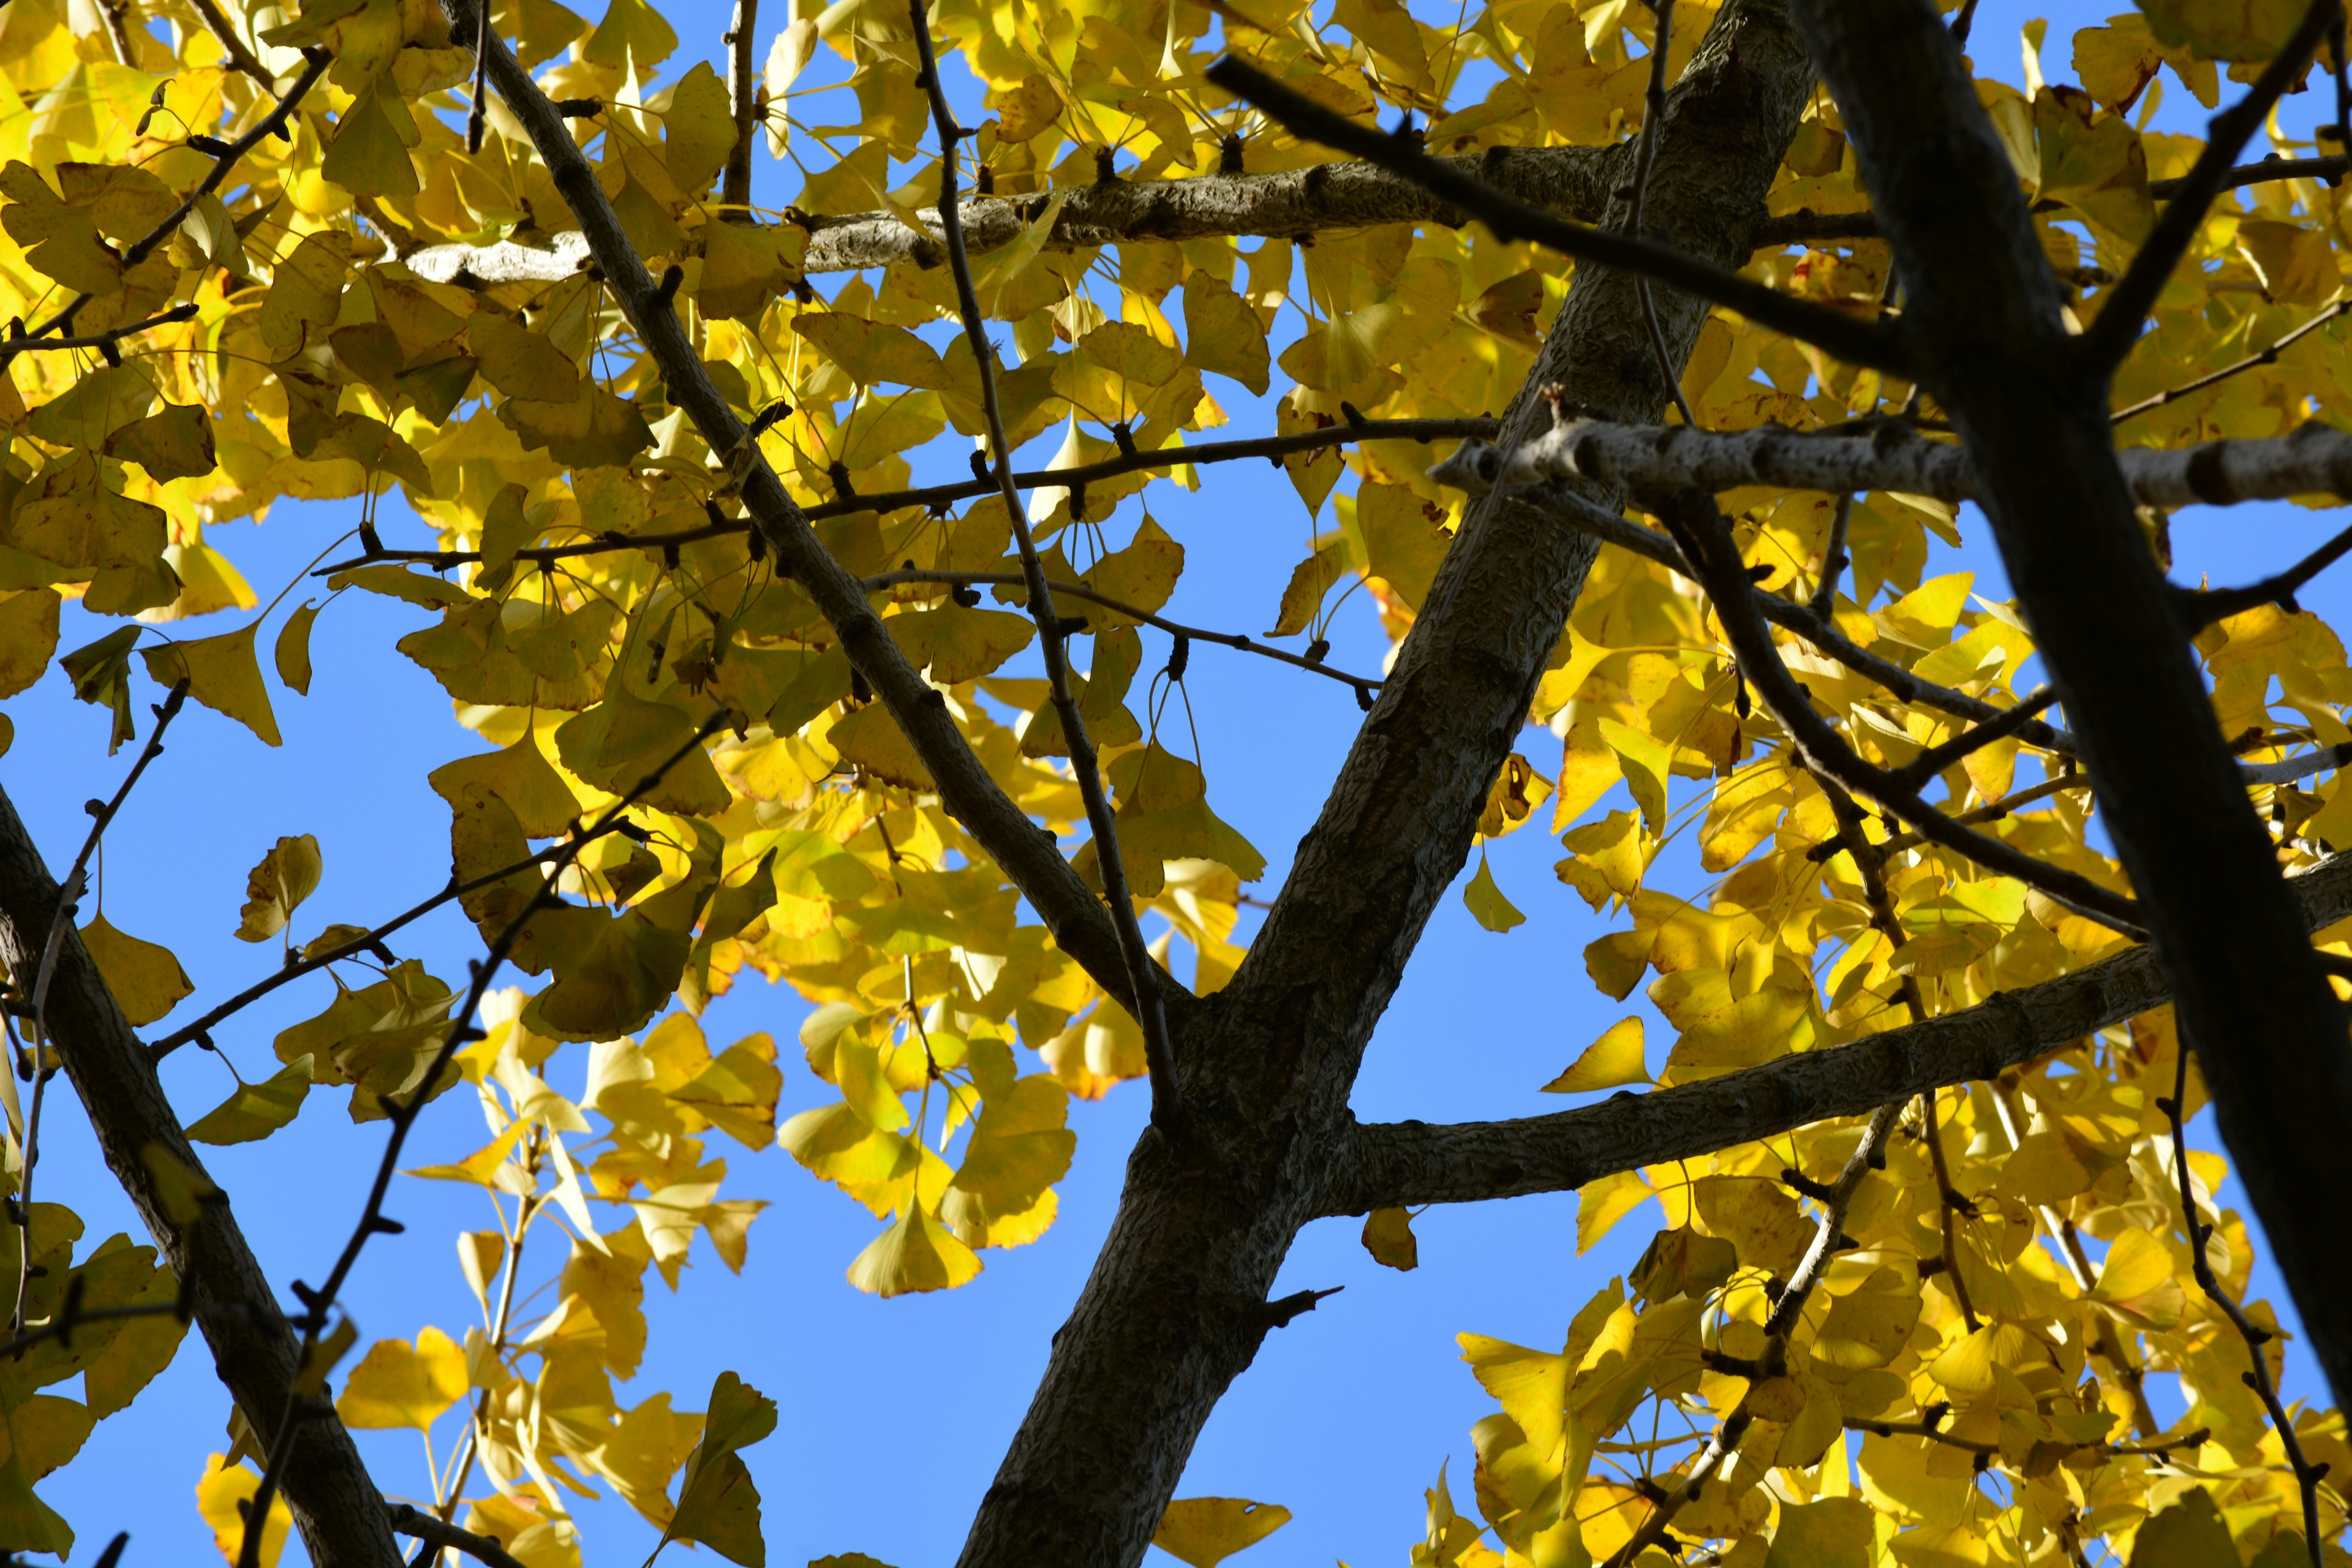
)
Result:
{"points": [[1919, 1141]]}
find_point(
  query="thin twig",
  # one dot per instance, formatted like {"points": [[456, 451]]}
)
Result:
{"points": [[69, 892], [65, 1324], [1829, 1239], [2125, 307], [2201, 608], [1930, 1428], [440, 1534], [2266, 356], [403, 1114], [1949, 1205], [1824, 604], [1080, 591], [2306, 1474], [1707, 543], [1859, 343], [743, 94], [1992, 812], [198, 1030], [1271, 448], [1151, 1011], [1914, 774], [240, 56], [274, 122], [99, 341], [1654, 110]]}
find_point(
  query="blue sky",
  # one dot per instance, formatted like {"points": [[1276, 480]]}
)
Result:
{"points": [[894, 1414]]}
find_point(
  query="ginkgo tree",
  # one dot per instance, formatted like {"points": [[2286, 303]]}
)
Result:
{"points": [[1994, 896]]}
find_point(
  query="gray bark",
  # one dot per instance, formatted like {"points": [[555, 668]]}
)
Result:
{"points": [[1983, 313], [1658, 458], [1571, 181], [1176, 1306], [335, 1506]]}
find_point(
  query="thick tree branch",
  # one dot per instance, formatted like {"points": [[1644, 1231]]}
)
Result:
{"points": [[1025, 852], [335, 1506], [2125, 307], [743, 102], [1142, 975], [2031, 402], [441, 1533], [2314, 460], [1293, 204], [1404, 1164], [1859, 343]]}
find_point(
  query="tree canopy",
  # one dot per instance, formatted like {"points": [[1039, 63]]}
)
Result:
{"points": [[765, 432]]}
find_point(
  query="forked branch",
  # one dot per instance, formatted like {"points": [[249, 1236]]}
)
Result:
{"points": [[1143, 980], [1859, 343]]}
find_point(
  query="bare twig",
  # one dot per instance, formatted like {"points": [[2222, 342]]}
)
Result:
{"points": [[104, 342], [1829, 1239], [1139, 461], [403, 1115], [1824, 604], [2306, 1474], [1362, 684], [2266, 356], [200, 1028], [1992, 812], [743, 101], [440, 1534], [1654, 110], [1151, 1011], [2123, 307], [240, 58], [1859, 343], [1949, 1205], [102, 813], [1707, 542], [2200, 609], [1914, 774]]}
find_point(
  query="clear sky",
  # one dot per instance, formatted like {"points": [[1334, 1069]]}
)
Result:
{"points": [[894, 1415]]}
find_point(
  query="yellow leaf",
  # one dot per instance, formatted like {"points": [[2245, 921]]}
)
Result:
{"points": [[292, 654], [175, 442], [179, 1189], [2224, 29], [916, 1252], [872, 739], [146, 980], [1131, 352], [1868, 1326], [1830, 1532], [697, 129], [1486, 903], [223, 1487], [276, 887], [28, 636], [2138, 1281], [369, 155], [1404, 539], [745, 269], [717, 1506], [1388, 1237], [632, 34], [306, 290], [2191, 1534], [520, 776], [1140, 576], [321, 1359], [400, 1384], [256, 1109], [223, 673], [1615, 1058], [1205, 1530], [1600, 1205], [1513, 797], [1222, 334], [1644, 761], [872, 354], [60, 238], [519, 362]]}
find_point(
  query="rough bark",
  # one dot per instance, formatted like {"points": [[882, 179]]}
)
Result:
{"points": [[1176, 1306], [2314, 460], [1572, 181], [336, 1507], [2032, 411], [1411, 1162]]}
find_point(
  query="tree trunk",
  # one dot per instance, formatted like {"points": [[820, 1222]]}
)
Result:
{"points": [[1176, 1306], [336, 1507], [1982, 309]]}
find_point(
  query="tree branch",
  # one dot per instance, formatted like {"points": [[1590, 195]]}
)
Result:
{"points": [[1076, 478], [743, 101], [2123, 307], [240, 58], [1654, 110], [335, 1505], [2316, 459], [1142, 975], [1860, 342], [1405, 1165], [2201, 608], [443, 1536], [1364, 685], [1022, 849], [2266, 356], [1916, 774]]}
